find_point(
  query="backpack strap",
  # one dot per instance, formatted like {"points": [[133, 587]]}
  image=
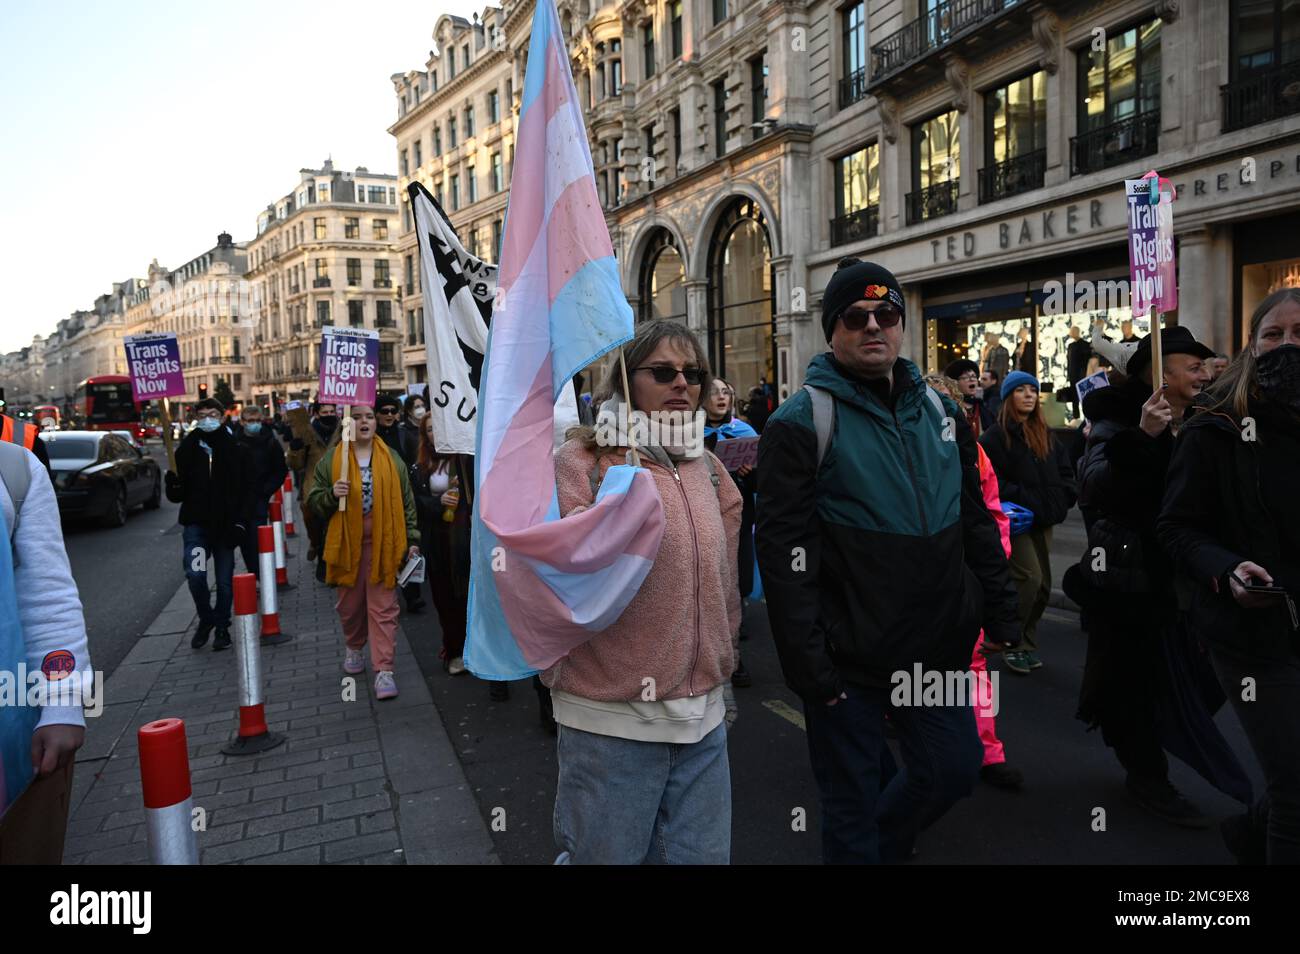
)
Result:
{"points": [[823, 410], [17, 480], [937, 401]]}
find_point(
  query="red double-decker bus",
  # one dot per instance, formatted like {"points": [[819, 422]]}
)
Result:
{"points": [[104, 403]]}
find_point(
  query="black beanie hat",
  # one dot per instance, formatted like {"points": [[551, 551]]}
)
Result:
{"points": [[855, 280]]}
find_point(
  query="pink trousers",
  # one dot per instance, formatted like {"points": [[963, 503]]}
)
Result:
{"points": [[993, 752], [369, 611]]}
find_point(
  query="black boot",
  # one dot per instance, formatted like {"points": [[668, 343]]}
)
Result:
{"points": [[223, 639], [201, 636]]}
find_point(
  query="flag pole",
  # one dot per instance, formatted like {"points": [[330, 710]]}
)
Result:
{"points": [[347, 439], [167, 436], [1157, 351], [627, 394]]}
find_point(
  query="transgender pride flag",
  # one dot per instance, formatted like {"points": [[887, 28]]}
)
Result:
{"points": [[541, 586]]}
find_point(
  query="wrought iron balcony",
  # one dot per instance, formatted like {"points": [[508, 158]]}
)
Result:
{"points": [[1262, 97], [1115, 144], [949, 21], [854, 226], [385, 323], [853, 87], [383, 283], [320, 283], [1013, 176], [932, 202]]}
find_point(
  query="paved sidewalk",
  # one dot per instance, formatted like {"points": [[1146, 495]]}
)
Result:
{"points": [[354, 782]]}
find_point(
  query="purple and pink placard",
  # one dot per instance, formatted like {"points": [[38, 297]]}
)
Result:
{"points": [[349, 366], [153, 362], [1152, 277]]}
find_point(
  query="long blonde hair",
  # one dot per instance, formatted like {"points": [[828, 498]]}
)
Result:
{"points": [[648, 337], [1237, 385]]}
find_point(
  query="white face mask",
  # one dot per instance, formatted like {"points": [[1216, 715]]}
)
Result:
{"points": [[418, 413]]}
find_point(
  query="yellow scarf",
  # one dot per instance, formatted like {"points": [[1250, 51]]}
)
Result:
{"points": [[387, 521]]}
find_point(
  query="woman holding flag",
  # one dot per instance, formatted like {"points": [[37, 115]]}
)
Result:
{"points": [[643, 771], [366, 542]]}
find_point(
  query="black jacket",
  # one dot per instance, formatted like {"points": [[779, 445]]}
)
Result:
{"points": [[266, 461], [1228, 500], [1121, 485], [884, 555], [216, 493], [408, 441], [391, 438], [1047, 487]]}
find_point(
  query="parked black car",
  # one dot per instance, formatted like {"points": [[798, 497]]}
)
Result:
{"points": [[99, 475]]}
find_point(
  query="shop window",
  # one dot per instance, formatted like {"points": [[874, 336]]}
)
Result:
{"points": [[1015, 138], [741, 331], [1119, 100], [662, 285], [857, 195], [936, 168]]}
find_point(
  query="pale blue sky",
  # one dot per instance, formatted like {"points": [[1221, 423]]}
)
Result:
{"points": [[139, 129]]}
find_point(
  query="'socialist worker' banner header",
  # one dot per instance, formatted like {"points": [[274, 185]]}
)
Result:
{"points": [[349, 366], [1151, 244], [154, 363]]}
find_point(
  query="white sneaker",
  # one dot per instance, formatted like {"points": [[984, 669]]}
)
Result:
{"points": [[457, 666], [354, 662], [385, 685]]}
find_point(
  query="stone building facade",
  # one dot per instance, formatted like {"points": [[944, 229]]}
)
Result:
{"points": [[323, 255], [743, 147], [206, 303]]}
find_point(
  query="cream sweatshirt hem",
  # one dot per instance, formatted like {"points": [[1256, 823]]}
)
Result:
{"points": [[682, 721]]}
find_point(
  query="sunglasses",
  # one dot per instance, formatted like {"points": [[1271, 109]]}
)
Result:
{"points": [[665, 374], [387, 410], [855, 319]]}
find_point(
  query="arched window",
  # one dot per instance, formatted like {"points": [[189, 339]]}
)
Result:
{"points": [[742, 342], [662, 284]]}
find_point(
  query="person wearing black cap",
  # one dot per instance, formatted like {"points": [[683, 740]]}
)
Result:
{"points": [[967, 375], [877, 555], [388, 408], [1125, 583]]}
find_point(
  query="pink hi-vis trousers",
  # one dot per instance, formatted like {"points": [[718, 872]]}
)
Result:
{"points": [[993, 752], [369, 611]]}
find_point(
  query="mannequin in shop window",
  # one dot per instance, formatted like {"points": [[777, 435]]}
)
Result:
{"points": [[995, 357], [1024, 358]]}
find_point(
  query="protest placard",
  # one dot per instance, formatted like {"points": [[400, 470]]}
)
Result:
{"points": [[153, 362], [349, 366], [737, 452]]}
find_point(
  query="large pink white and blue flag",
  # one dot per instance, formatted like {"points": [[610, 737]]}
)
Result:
{"points": [[539, 585]]}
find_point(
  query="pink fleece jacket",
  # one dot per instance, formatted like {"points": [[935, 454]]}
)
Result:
{"points": [[680, 628]]}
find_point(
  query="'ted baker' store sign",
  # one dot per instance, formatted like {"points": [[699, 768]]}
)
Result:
{"points": [[1222, 184]]}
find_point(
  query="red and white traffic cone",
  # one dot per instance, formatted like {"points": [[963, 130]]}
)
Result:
{"points": [[288, 497], [168, 801], [270, 609], [253, 734], [277, 528]]}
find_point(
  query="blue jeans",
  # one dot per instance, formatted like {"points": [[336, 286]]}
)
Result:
{"points": [[621, 802], [196, 556], [872, 810]]}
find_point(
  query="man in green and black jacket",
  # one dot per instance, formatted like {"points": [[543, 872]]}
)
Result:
{"points": [[877, 554]]}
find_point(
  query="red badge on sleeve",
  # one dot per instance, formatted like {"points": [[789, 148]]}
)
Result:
{"points": [[58, 664]]}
